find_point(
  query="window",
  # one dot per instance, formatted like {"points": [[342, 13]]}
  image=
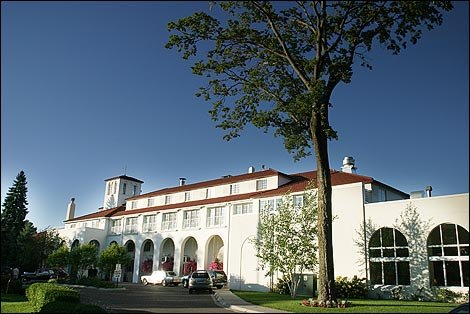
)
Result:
{"points": [[234, 188], [169, 221], [448, 251], [133, 204], [382, 195], [261, 184], [269, 205], [298, 201], [389, 258], [215, 216], [187, 196], [167, 199], [240, 209], [72, 226], [149, 223], [116, 226], [134, 192], [109, 188], [191, 219], [95, 223], [114, 185], [124, 186], [131, 225], [209, 193], [150, 202]]}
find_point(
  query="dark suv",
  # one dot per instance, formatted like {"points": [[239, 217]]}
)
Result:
{"points": [[219, 278]]}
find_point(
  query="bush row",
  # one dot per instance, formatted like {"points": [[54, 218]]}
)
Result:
{"points": [[355, 288], [42, 294], [14, 286]]}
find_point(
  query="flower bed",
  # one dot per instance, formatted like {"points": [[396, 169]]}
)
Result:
{"points": [[326, 304]]}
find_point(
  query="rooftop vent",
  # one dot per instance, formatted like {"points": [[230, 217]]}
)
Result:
{"points": [[182, 181], [428, 191], [349, 165], [251, 169]]}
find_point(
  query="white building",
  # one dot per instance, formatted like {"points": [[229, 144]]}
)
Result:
{"points": [[201, 221]]}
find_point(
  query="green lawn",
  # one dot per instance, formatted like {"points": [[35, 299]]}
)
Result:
{"points": [[284, 302], [14, 303]]}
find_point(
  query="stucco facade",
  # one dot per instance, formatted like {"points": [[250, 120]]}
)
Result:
{"points": [[202, 221]]}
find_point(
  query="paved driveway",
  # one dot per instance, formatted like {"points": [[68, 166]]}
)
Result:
{"points": [[137, 298]]}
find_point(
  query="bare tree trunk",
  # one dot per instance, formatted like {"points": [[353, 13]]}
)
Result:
{"points": [[326, 274]]}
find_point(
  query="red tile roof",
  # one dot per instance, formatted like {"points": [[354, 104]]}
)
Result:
{"points": [[102, 213], [298, 182], [206, 184]]}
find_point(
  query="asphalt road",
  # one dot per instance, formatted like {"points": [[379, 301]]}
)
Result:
{"points": [[137, 298]]}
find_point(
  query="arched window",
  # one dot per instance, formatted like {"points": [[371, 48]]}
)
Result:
{"points": [[75, 244], [448, 256], [113, 242], [389, 258]]}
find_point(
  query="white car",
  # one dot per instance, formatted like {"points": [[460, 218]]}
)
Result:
{"points": [[161, 277]]}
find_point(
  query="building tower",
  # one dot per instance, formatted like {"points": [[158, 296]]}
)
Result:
{"points": [[118, 189]]}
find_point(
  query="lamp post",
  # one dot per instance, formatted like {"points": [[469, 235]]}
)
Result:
{"points": [[241, 252]]}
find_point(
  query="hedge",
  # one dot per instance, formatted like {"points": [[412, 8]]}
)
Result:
{"points": [[41, 294]]}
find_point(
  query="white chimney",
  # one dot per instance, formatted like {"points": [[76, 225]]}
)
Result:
{"points": [[348, 165], [182, 181], [251, 169], [70, 210], [428, 191]]}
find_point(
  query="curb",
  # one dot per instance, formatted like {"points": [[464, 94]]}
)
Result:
{"points": [[221, 302]]}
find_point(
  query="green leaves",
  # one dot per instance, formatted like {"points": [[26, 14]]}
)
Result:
{"points": [[287, 238], [267, 59]]}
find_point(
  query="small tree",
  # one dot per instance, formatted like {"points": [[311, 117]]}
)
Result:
{"points": [[59, 258], [112, 255], [82, 258], [287, 240], [13, 220]]}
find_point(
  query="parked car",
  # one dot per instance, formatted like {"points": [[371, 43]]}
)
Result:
{"points": [[219, 278], [44, 274], [200, 280], [162, 277], [462, 308]]}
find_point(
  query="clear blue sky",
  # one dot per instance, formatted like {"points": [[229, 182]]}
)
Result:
{"points": [[88, 89]]}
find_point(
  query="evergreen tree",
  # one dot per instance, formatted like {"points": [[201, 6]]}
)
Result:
{"points": [[13, 220]]}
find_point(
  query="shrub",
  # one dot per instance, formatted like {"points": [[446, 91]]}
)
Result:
{"points": [[282, 286], [41, 294], [67, 307], [449, 296], [94, 282], [355, 288]]}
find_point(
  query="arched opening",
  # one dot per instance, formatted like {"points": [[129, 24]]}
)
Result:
{"points": [[146, 257], [129, 269], [167, 254], [93, 271], [448, 251], [113, 243], [389, 258], [189, 256], [215, 253]]}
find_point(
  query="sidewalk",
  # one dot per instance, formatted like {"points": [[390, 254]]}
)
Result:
{"points": [[225, 298]]}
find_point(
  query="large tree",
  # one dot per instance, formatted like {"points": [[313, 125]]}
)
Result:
{"points": [[276, 65], [112, 255], [13, 220]]}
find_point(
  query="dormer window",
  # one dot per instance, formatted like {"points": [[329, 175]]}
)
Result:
{"points": [[234, 188], [124, 186], [261, 184]]}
